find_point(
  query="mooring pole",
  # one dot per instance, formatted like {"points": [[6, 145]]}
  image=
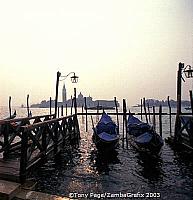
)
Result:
{"points": [[144, 105], [62, 110], [160, 120], [75, 103], [179, 88], [72, 101], [115, 99], [148, 107], [28, 105], [66, 109], [191, 100], [170, 115], [85, 106], [50, 105], [123, 137], [154, 119], [141, 109], [56, 98], [125, 120], [10, 107]]}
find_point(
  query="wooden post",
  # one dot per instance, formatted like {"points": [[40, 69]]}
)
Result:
{"points": [[44, 135], [28, 113], [191, 101], [170, 115], [154, 119], [72, 102], [10, 107], [179, 88], [55, 133], [75, 103], [56, 98], [50, 105], [23, 159], [125, 120], [62, 110], [123, 137], [144, 105], [85, 106], [115, 99], [141, 109], [58, 112], [160, 120], [66, 109], [97, 117], [149, 112]]}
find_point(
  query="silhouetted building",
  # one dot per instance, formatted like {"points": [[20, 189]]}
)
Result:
{"points": [[64, 94]]}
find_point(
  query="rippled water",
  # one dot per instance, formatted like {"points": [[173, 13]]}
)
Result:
{"points": [[82, 170]]}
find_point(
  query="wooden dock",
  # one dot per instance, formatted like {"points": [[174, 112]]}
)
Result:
{"points": [[25, 142]]}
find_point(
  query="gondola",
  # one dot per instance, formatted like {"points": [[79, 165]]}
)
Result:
{"points": [[142, 136], [105, 134]]}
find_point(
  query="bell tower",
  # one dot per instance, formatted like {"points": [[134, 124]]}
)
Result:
{"points": [[64, 93]]}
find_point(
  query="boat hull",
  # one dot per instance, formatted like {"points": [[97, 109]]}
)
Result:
{"points": [[142, 137], [104, 145]]}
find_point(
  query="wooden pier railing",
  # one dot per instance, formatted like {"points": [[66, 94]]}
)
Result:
{"points": [[26, 141]]}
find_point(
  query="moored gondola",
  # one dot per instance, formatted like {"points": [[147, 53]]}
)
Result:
{"points": [[142, 136], [105, 134]]}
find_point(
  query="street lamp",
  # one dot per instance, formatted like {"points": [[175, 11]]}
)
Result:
{"points": [[74, 79], [188, 71]]}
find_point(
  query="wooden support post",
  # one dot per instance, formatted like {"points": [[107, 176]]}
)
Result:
{"points": [[97, 117], [141, 109], [191, 100], [144, 105], [115, 99], [66, 109], [179, 88], [75, 103], [56, 98], [55, 138], [72, 102], [58, 112], [154, 119], [10, 107], [62, 110], [50, 105], [160, 120], [123, 136], [28, 113], [125, 120], [148, 108], [44, 135], [170, 115], [85, 106], [23, 159]]}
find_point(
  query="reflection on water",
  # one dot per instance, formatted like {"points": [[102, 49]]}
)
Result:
{"points": [[101, 163], [149, 167]]}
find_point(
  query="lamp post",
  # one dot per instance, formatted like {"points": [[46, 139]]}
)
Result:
{"points": [[74, 79], [188, 71]]}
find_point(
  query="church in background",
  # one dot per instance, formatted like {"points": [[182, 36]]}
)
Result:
{"points": [[79, 100]]}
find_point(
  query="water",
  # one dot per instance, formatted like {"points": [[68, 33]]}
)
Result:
{"points": [[84, 171]]}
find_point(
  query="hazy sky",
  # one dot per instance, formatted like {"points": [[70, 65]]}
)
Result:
{"points": [[124, 48]]}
